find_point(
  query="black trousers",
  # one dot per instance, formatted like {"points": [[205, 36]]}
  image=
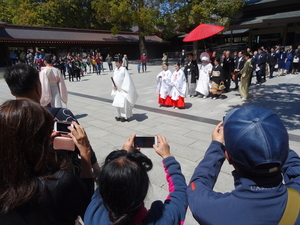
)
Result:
{"points": [[144, 67], [272, 68], [71, 74], [77, 73], [227, 80]]}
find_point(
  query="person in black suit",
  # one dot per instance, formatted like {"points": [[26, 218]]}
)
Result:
{"points": [[260, 66], [191, 72], [239, 65], [272, 60], [228, 67]]}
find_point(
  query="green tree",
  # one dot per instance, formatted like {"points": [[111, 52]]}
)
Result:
{"points": [[53, 13], [122, 14], [218, 12]]}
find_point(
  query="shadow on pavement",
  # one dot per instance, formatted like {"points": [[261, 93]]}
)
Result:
{"points": [[81, 116], [284, 99], [140, 117]]}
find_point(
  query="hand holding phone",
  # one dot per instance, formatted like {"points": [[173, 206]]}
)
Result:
{"points": [[62, 142], [163, 149]]}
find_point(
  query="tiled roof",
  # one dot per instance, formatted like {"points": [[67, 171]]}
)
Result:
{"points": [[15, 32]]}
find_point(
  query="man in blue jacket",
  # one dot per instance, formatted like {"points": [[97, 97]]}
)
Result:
{"points": [[257, 145], [260, 65]]}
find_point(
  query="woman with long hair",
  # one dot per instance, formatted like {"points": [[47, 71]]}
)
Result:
{"points": [[34, 187], [123, 186]]}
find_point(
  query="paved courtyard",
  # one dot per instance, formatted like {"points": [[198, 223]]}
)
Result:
{"points": [[187, 130]]}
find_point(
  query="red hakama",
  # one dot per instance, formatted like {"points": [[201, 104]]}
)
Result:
{"points": [[178, 103], [167, 101]]}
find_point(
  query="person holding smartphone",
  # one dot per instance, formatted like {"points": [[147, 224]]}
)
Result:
{"points": [[36, 188], [266, 172], [23, 82], [119, 198]]}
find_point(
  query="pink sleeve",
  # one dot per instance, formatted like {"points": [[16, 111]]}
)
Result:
{"points": [[62, 88], [46, 91]]}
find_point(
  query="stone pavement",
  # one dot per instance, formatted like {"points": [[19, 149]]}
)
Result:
{"points": [[187, 130]]}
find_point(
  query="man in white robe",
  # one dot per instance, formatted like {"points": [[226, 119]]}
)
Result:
{"points": [[54, 90], [124, 92]]}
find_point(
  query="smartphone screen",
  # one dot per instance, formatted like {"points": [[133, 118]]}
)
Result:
{"points": [[145, 142], [62, 127]]}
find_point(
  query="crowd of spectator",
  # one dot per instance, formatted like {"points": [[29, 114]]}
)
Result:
{"points": [[39, 186]]}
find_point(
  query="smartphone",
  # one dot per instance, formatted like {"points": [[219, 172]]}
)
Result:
{"points": [[145, 141], [62, 127]]}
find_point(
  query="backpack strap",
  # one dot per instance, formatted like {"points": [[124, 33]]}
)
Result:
{"points": [[292, 208]]}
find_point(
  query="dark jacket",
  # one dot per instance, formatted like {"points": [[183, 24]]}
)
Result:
{"points": [[64, 198], [228, 66], [192, 68], [253, 201], [272, 58]]}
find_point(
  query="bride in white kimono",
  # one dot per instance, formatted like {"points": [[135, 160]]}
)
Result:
{"points": [[124, 92], [205, 69]]}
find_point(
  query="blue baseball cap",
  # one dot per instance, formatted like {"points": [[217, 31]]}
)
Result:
{"points": [[256, 140]]}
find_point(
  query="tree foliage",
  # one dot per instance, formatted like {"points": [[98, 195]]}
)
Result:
{"points": [[216, 12], [122, 14], [53, 13]]}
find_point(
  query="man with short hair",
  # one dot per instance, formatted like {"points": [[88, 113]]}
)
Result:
{"points": [[23, 82], [191, 72], [108, 59], [228, 67], [239, 65], [257, 145], [143, 61], [260, 66], [272, 59]]}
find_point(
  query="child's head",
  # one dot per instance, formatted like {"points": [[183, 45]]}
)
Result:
{"points": [[123, 184]]}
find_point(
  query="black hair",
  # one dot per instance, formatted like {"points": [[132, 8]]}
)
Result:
{"points": [[178, 64], [21, 78], [123, 184], [247, 54], [218, 59], [167, 64], [191, 54], [48, 59]]}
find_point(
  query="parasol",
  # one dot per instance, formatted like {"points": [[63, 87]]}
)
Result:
{"points": [[203, 31]]}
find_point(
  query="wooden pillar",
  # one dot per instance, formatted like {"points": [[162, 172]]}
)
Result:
{"points": [[284, 35], [231, 40], [250, 39]]}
